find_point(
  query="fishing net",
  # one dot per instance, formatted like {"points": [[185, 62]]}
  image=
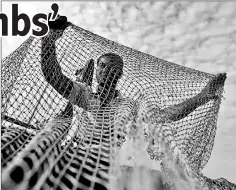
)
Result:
{"points": [[49, 143]]}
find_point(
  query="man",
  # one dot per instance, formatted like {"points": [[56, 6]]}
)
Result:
{"points": [[106, 110]]}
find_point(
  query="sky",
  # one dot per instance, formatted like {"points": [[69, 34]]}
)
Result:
{"points": [[199, 35]]}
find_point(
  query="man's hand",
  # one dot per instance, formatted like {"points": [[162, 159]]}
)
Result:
{"points": [[214, 84], [86, 73], [58, 23], [57, 27]]}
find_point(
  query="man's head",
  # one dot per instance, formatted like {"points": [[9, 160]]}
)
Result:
{"points": [[109, 64], [109, 70]]}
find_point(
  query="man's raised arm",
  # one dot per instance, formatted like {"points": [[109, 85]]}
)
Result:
{"points": [[49, 64], [179, 111]]}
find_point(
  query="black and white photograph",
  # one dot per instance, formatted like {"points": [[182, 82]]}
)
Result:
{"points": [[118, 95]]}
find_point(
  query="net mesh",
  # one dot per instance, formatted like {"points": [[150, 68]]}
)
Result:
{"points": [[50, 143]]}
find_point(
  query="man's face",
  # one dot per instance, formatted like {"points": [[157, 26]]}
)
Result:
{"points": [[101, 68]]}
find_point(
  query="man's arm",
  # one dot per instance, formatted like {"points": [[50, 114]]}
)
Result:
{"points": [[180, 111], [76, 93], [49, 64]]}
